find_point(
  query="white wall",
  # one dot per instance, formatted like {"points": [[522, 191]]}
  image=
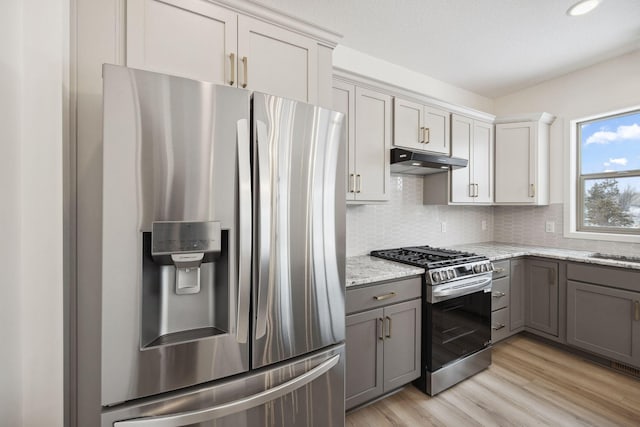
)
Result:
{"points": [[375, 68], [607, 86], [10, 82], [34, 36]]}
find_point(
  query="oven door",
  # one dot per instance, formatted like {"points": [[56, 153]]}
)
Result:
{"points": [[458, 324]]}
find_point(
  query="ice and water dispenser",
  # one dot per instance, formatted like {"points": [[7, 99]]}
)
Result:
{"points": [[184, 281]]}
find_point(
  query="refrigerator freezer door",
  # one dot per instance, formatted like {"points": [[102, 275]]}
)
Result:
{"points": [[300, 219], [307, 392], [177, 156]]}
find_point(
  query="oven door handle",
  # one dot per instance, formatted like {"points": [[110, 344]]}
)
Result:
{"points": [[484, 284]]}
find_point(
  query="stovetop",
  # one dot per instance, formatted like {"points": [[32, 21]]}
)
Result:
{"points": [[427, 256]]}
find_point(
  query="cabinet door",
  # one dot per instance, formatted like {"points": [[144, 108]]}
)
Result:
{"points": [[373, 141], [344, 102], [517, 295], [483, 161], [277, 61], [515, 171], [542, 296], [437, 125], [364, 356], [402, 341], [605, 321], [461, 134], [189, 38], [408, 125]]}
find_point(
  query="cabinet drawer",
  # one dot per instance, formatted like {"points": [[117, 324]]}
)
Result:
{"points": [[499, 293], [374, 296], [499, 324], [608, 276], [501, 269]]}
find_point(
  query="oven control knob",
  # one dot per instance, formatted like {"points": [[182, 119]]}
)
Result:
{"points": [[476, 269], [483, 267], [451, 274], [435, 276]]}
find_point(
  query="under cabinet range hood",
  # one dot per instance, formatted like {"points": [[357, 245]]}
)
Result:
{"points": [[418, 163]]}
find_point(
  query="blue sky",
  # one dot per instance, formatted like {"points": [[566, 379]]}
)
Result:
{"points": [[611, 144]]}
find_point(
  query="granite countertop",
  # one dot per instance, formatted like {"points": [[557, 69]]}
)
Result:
{"points": [[365, 269]]}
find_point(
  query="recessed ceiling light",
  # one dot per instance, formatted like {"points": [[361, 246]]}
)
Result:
{"points": [[583, 7]]}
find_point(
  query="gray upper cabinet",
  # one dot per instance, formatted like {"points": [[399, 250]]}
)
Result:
{"points": [[383, 338], [542, 296], [605, 321], [368, 119]]}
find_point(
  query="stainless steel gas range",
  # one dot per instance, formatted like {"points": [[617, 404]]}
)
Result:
{"points": [[456, 315]]}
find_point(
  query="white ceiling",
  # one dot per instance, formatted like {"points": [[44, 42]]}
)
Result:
{"points": [[490, 47]]}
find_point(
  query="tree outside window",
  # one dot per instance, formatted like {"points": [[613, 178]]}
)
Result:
{"points": [[609, 174]]}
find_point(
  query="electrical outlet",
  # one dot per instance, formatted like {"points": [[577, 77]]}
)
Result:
{"points": [[443, 227], [484, 225], [550, 227]]}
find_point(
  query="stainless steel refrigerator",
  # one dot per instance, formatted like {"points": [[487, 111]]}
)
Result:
{"points": [[223, 256]]}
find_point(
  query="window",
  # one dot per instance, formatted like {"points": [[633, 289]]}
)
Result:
{"points": [[608, 174]]}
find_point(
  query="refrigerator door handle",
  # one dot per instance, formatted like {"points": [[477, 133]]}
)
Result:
{"points": [[264, 227], [208, 414], [244, 230]]}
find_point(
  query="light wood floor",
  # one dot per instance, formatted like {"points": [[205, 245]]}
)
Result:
{"points": [[528, 384]]}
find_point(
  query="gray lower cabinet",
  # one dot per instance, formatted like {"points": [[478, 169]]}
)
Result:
{"points": [[542, 296], [603, 311], [605, 321], [383, 339], [500, 295], [517, 295]]}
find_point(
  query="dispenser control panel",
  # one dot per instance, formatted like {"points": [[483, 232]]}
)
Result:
{"points": [[171, 237]]}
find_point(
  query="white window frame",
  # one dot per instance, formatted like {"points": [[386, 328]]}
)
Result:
{"points": [[571, 182]]}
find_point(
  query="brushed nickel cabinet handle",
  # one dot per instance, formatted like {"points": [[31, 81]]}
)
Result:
{"points": [[498, 294], [245, 63], [358, 183], [637, 310], [381, 326], [477, 191], [470, 190], [389, 330], [232, 57], [498, 326], [384, 297], [499, 270], [425, 135], [421, 137], [352, 182], [533, 190]]}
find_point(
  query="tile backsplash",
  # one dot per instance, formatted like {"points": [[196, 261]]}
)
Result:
{"points": [[526, 225], [405, 221]]}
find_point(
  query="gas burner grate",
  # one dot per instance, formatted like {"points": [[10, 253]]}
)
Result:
{"points": [[427, 256]]}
